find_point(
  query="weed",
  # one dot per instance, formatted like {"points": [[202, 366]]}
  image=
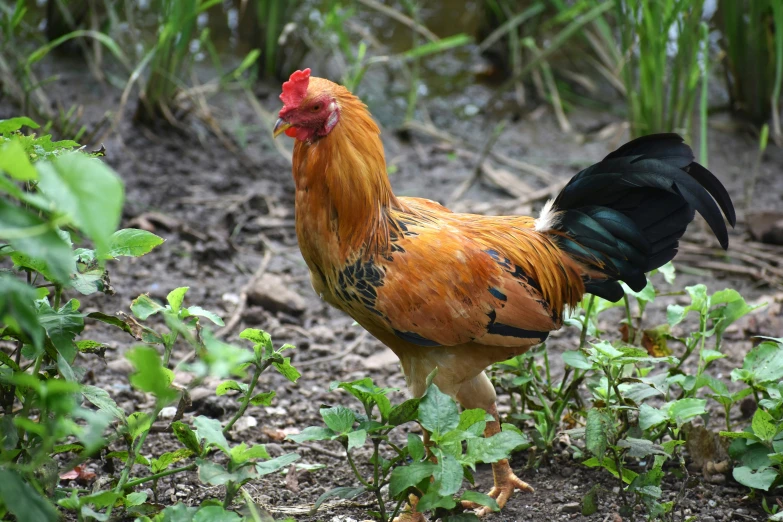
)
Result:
{"points": [[754, 57], [432, 470], [171, 59], [47, 197]]}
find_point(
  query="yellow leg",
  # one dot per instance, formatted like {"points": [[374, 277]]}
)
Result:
{"points": [[505, 479], [409, 513]]}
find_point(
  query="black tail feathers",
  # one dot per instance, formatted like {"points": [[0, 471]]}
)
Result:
{"points": [[625, 215]]}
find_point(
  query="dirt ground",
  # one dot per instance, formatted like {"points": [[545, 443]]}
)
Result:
{"points": [[219, 211]]}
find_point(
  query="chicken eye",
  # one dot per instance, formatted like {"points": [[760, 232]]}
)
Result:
{"points": [[316, 107]]}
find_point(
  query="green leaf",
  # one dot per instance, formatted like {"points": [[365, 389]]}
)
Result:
{"points": [[668, 272], [150, 375], [448, 473], [404, 477], [481, 499], [405, 412], [215, 514], [433, 500], [135, 499], [227, 386], [684, 409], [471, 417], [143, 307], [761, 479], [286, 370], [86, 190], [62, 325], [211, 432], [167, 459], [356, 439], [175, 298], [649, 417], [338, 418], [438, 412], [14, 161], [186, 436], [343, 492], [496, 447], [262, 342], [14, 124], [675, 314], [415, 447], [263, 399], [241, 453], [577, 359], [276, 464], [100, 398], [16, 308], [36, 243], [589, 502], [216, 475], [224, 359], [763, 364], [200, 312], [138, 423], [609, 465], [24, 501], [640, 448], [710, 355], [312, 433], [763, 425], [596, 432], [132, 242]]}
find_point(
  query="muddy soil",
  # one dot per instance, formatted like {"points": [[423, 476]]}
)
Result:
{"points": [[220, 212]]}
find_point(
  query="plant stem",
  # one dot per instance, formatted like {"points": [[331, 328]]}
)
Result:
{"points": [[588, 311], [133, 483], [248, 395], [631, 333], [376, 478], [58, 293], [356, 471]]}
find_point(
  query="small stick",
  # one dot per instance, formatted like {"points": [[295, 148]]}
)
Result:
{"points": [[236, 315], [403, 19]]}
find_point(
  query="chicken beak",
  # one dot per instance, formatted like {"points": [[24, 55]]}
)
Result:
{"points": [[280, 127]]}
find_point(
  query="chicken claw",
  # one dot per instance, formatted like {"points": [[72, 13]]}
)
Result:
{"points": [[409, 513], [505, 484]]}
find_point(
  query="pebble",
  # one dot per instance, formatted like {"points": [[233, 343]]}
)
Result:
{"points": [[571, 507], [245, 423], [168, 412]]}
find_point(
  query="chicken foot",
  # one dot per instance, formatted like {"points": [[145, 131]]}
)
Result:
{"points": [[506, 482]]}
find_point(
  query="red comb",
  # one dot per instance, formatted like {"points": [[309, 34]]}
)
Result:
{"points": [[295, 89]]}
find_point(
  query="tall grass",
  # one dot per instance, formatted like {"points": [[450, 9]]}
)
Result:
{"points": [[663, 41], [752, 38], [171, 59]]}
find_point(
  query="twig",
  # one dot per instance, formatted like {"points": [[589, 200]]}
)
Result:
{"points": [[405, 20], [236, 315], [476, 175], [319, 449], [351, 347], [465, 147]]}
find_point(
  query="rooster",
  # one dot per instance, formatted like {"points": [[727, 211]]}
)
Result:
{"points": [[459, 292]]}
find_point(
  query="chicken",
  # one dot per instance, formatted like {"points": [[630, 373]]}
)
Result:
{"points": [[459, 292]]}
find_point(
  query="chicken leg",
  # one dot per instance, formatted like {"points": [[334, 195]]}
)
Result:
{"points": [[506, 482]]}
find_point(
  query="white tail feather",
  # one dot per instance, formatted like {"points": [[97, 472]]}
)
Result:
{"points": [[547, 219]]}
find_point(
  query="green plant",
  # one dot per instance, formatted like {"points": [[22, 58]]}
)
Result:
{"points": [[171, 58], [660, 91], [754, 57], [49, 194], [438, 465], [760, 449]]}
